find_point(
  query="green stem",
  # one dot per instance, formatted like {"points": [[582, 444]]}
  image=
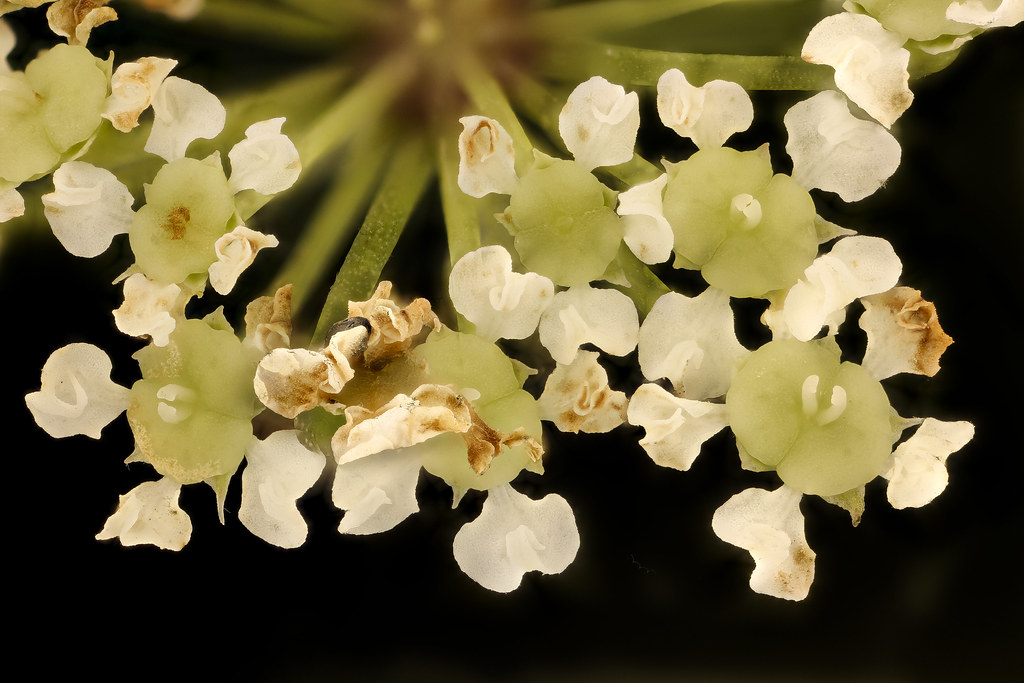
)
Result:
{"points": [[490, 100], [404, 181], [595, 18], [266, 21], [344, 14], [461, 219], [645, 287]]}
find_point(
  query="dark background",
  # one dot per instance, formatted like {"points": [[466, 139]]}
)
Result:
{"points": [[915, 595]]}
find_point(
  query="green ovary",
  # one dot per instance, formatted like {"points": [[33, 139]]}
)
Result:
{"points": [[822, 425]]}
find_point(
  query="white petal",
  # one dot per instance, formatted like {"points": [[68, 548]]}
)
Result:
{"points": [[236, 251], [278, 471], [647, 232], [870, 63], [147, 309], [182, 112], [12, 205], [708, 115], [857, 266], [502, 304], [691, 342], [582, 314], [903, 334], [266, 161], [770, 526], [377, 492], [292, 381], [577, 397], [974, 12], [835, 151], [486, 158], [599, 123], [149, 514], [88, 206], [917, 470], [132, 87], [77, 395], [676, 428], [514, 535]]}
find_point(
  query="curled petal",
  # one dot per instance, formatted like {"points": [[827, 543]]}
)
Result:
{"points": [[835, 151], [12, 205], [292, 381], [903, 334], [392, 327], [577, 397], [77, 395], [88, 206], [603, 317], [975, 12], [268, 320], [647, 232], [769, 525], [708, 115], [917, 470], [676, 428], [149, 514], [278, 471], [132, 87], [377, 492], [870, 63], [149, 308], [501, 303], [486, 158], [75, 19], [266, 161], [182, 112], [514, 535], [599, 123], [236, 251]]}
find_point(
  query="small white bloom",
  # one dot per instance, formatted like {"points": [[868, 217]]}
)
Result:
{"points": [[278, 471], [147, 309], [870, 63], [582, 314], [647, 232], [835, 151], [486, 158], [12, 205], [599, 123], [676, 428], [903, 332], [857, 266], [975, 13], [132, 87], [149, 514], [770, 526], [88, 206], [501, 303], [377, 492], [265, 161], [236, 251], [708, 115], [577, 397], [514, 535], [182, 112], [77, 395], [917, 469], [691, 342]]}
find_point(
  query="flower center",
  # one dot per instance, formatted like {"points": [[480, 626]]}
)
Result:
{"points": [[821, 415]]}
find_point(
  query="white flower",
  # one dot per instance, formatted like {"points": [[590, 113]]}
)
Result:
{"points": [[236, 251], [870, 63], [582, 314], [647, 232], [182, 112], [75, 20], [691, 342], [917, 468], [577, 397], [377, 492], [770, 526], [292, 381], [147, 309], [676, 428], [835, 151], [599, 123], [708, 115], [132, 87], [12, 205], [486, 158], [77, 395], [514, 535], [903, 334], [88, 206], [501, 303], [149, 514], [277, 472], [976, 13], [265, 161]]}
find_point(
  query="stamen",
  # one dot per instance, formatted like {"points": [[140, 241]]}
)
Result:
{"points": [[833, 412], [809, 396], [181, 396], [748, 208]]}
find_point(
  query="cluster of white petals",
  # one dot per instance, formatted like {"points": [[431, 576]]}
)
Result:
{"points": [[647, 232], [514, 535], [150, 308], [278, 471], [182, 112], [236, 251], [501, 303], [577, 397], [691, 342], [599, 123], [903, 334], [487, 158], [132, 87], [675, 428], [770, 526], [75, 19], [393, 328], [149, 514], [835, 151], [76, 394], [857, 266], [977, 13], [377, 492], [708, 115], [87, 208], [606, 318], [870, 63], [917, 469], [265, 161]]}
